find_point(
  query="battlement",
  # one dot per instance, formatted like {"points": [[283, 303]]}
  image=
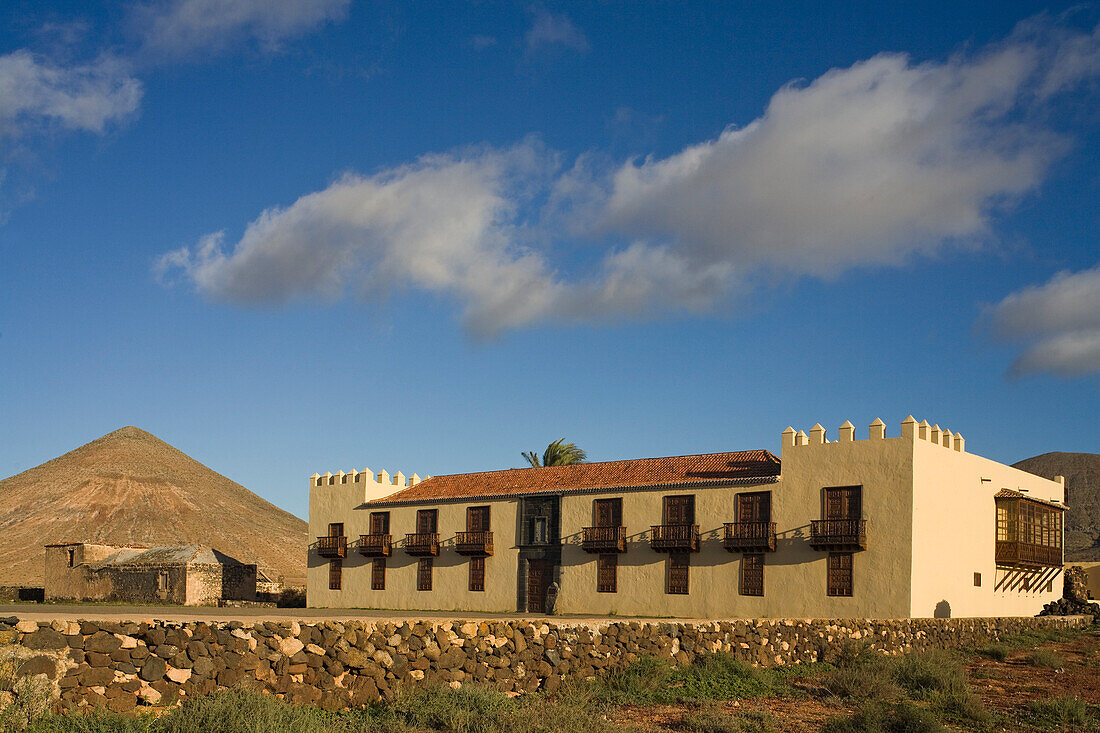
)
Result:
{"points": [[366, 476], [846, 433]]}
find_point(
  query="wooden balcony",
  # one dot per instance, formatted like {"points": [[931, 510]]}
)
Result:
{"points": [[603, 539], [749, 537], [332, 546], [841, 535], [1026, 554], [422, 543], [674, 537], [478, 543], [375, 545]]}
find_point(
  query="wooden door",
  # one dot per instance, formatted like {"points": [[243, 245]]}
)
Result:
{"points": [[477, 519], [426, 521], [754, 507], [679, 510], [539, 576], [609, 512], [843, 502], [380, 523], [336, 529]]}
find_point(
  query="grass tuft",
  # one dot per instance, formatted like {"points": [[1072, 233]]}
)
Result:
{"points": [[996, 651], [1048, 658], [717, 720], [1060, 710], [876, 717]]}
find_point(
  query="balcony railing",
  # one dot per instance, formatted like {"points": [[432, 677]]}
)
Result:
{"points": [[375, 545], [603, 539], [1025, 553], [674, 537], [749, 537], [474, 543], [422, 543], [332, 546], [838, 534]]}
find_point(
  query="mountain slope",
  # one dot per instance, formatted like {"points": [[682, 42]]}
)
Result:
{"points": [[131, 487], [1082, 472]]}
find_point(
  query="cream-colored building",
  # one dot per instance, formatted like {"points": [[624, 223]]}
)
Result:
{"points": [[880, 527]]}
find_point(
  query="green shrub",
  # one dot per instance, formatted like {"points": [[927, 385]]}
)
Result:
{"points": [[1057, 710], [998, 651], [1046, 658], [961, 706], [866, 681], [716, 720], [923, 673], [876, 717], [645, 680], [721, 677], [469, 709]]}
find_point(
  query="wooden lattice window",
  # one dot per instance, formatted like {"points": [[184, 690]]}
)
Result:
{"points": [[677, 578], [839, 582], [752, 574], [378, 574], [607, 573], [335, 574], [424, 573], [477, 573]]}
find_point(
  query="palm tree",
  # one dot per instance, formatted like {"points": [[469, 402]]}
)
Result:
{"points": [[558, 453]]}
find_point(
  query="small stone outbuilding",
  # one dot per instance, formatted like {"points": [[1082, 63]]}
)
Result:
{"points": [[188, 575]]}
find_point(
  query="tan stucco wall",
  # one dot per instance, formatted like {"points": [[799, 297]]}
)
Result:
{"points": [[954, 536], [1092, 571]]}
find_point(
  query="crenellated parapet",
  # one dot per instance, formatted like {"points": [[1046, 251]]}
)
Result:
{"points": [[366, 476], [846, 433]]}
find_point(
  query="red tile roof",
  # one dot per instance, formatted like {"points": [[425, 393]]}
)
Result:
{"points": [[1013, 494], [708, 468]]}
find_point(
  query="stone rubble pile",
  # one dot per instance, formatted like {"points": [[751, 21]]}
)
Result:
{"points": [[347, 664]]}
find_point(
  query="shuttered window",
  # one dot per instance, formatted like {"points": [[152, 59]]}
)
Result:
{"points": [[752, 574], [677, 579], [839, 582], [607, 573], [424, 573], [335, 574], [477, 573], [378, 574]]}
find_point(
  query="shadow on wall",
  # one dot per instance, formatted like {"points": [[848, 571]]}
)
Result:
{"points": [[943, 610]]}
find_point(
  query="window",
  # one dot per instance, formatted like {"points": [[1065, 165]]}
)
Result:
{"points": [[608, 512], [477, 574], [754, 507], [677, 580], [335, 574], [426, 521], [379, 522], [679, 510], [336, 529], [839, 582], [977, 580], [752, 574], [843, 502], [378, 574], [424, 573], [607, 572], [72, 557], [477, 519]]}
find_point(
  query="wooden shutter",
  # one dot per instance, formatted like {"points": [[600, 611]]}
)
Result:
{"points": [[754, 507], [477, 573], [477, 519], [609, 512], [380, 523], [335, 574], [336, 529], [679, 510], [378, 574], [752, 574], [843, 502], [426, 521], [607, 571], [839, 582], [424, 573], [677, 580]]}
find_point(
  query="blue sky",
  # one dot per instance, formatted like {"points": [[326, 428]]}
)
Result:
{"points": [[307, 235]]}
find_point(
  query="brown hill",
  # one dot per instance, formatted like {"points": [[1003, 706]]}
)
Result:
{"points": [[131, 487], [1082, 472]]}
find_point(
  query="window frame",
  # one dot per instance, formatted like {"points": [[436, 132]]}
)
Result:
{"points": [[378, 573], [751, 581], [424, 568], [840, 575], [607, 572], [477, 574], [336, 574], [679, 564]]}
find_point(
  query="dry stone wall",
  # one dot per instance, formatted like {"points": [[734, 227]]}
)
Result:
{"points": [[351, 663]]}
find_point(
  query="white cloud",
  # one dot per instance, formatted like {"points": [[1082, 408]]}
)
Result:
{"points": [[548, 31], [35, 92], [867, 165], [1061, 321], [179, 27]]}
